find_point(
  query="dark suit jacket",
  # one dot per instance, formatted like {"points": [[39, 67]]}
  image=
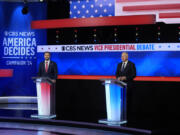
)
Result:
{"points": [[52, 70], [129, 71]]}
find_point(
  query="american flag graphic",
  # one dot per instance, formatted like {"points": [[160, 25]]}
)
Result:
{"points": [[91, 8], [167, 11]]}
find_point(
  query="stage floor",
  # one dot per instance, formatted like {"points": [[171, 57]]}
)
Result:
{"points": [[16, 128], [27, 126], [19, 120]]}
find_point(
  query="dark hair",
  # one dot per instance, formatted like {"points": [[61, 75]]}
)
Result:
{"points": [[47, 52]]}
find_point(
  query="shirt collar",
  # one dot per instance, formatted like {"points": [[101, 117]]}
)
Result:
{"points": [[125, 62], [47, 61]]}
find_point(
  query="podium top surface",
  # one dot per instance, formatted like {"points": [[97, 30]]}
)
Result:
{"points": [[114, 81], [43, 79]]}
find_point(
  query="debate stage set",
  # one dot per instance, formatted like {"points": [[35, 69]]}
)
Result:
{"points": [[85, 39]]}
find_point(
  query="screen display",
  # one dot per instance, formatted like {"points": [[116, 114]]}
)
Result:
{"points": [[151, 59]]}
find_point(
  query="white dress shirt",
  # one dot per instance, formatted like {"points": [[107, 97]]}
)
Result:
{"points": [[124, 63], [45, 63]]}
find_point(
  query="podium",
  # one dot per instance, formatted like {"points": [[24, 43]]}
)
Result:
{"points": [[45, 98], [115, 92]]}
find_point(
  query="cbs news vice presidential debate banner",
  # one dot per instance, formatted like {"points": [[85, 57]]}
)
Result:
{"points": [[151, 59], [18, 47]]}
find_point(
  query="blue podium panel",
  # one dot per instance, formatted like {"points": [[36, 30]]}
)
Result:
{"points": [[115, 103]]}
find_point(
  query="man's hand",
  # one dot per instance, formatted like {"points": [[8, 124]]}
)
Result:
{"points": [[119, 78], [54, 81], [122, 78]]}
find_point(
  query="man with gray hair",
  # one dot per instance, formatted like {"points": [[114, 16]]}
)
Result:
{"points": [[126, 70]]}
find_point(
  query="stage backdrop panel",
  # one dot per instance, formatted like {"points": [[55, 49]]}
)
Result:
{"points": [[18, 47], [151, 59]]}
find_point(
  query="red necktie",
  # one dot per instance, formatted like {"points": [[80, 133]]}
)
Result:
{"points": [[46, 67]]}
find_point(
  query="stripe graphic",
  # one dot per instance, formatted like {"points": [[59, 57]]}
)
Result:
{"points": [[140, 47], [6, 72], [166, 11]]}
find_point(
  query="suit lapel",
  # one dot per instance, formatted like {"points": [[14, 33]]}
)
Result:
{"points": [[121, 66], [43, 67], [49, 66], [126, 66]]}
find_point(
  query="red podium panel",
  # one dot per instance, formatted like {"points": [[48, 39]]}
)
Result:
{"points": [[45, 98]]}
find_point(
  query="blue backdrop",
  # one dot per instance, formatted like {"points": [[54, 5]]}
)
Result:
{"points": [[18, 46], [101, 63]]}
